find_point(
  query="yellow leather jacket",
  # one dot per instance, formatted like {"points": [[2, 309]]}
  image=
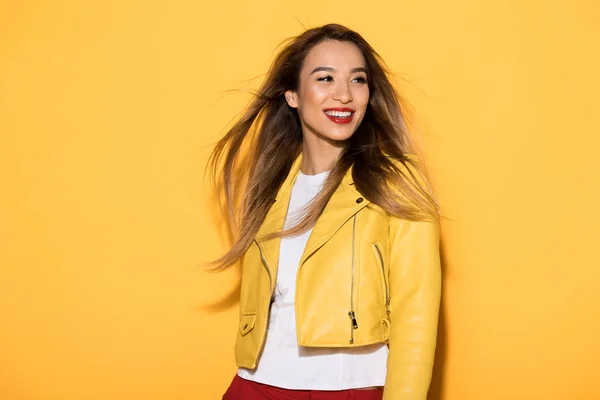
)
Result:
{"points": [[364, 277]]}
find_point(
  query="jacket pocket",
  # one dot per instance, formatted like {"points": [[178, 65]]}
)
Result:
{"points": [[247, 323], [386, 290]]}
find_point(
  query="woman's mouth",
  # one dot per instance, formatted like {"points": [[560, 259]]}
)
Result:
{"points": [[340, 116]]}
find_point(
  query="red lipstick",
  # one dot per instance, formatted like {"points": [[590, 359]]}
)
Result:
{"points": [[340, 115]]}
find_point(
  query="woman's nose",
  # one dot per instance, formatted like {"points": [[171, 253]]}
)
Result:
{"points": [[342, 94]]}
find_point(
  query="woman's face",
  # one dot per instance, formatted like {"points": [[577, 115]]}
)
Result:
{"points": [[333, 93]]}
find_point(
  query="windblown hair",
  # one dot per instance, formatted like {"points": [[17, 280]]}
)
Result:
{"points": [[267, 138]]}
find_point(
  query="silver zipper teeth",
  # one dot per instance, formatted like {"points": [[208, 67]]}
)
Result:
{"points": [[271, 288], [351, 314], [387, 292]]}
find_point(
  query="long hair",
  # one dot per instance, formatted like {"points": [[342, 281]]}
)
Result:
{"points": [[255, 156]]}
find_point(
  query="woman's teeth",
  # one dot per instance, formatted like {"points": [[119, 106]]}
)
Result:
{"points": [[339, 114]]}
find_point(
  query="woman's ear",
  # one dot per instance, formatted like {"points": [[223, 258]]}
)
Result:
{"points": [[292, 98]]}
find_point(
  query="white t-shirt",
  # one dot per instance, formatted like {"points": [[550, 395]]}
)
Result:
{"points": [[285, 364]]}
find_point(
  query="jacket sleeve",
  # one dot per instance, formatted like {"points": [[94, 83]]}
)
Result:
{"points": [[415, 286]]}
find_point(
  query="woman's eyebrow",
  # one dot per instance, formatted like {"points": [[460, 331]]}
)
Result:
{"points": [[331, 69]]}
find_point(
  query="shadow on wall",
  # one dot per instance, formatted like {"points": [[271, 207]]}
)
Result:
{"points": [[220, 226], [231, 299], [437, 380]]}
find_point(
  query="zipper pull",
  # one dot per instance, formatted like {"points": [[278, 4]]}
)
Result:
{"points": [[353, 318]]}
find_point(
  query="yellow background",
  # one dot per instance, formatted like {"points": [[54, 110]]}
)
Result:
{"points": [[107, 113]]}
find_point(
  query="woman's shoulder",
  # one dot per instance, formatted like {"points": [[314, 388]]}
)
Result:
{"points": [[413, 187]]}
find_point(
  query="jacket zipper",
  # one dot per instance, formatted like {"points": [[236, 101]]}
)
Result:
{"points": [[385, 285], [351, 314], [266, 265], [271, 288]]}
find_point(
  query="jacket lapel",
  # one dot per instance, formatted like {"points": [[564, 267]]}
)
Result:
{"points": [[275, 219], [342, 206]]}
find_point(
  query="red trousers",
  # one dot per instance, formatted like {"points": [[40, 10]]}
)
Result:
{"points": [[243, 389]]}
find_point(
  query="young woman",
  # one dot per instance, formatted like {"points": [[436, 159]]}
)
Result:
{"points": [[337, 231]]}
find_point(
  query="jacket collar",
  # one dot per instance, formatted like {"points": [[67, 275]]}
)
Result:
{"points": [[342, 206]]}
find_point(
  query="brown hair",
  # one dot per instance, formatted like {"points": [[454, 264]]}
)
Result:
{"points": [[260, 148]]}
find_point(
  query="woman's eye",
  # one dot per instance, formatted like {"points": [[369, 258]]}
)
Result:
{"points": [[325, 78], [360, 79]]}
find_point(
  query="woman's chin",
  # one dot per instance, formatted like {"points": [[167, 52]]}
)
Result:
{"points": [[337, 135]]}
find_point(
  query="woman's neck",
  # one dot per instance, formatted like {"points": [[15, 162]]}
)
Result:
{"points": [[319, 155]]}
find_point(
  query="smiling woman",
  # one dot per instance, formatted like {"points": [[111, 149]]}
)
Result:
{"points": [[337, 231]]}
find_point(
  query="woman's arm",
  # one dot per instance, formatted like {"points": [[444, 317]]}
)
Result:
{"points": [[415, 285]]}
